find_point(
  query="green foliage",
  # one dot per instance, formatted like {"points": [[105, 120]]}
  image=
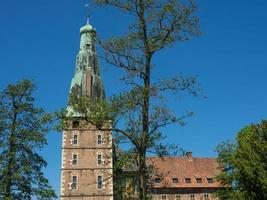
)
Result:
{"points": [[244, 165], [22, 134]]}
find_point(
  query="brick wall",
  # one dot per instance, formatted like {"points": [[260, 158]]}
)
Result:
{"points": [[85, 144]]}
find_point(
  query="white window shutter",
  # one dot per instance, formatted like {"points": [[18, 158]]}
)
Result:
{"points": [[69, 186], [70, 162], [104, 185], [71, 141]]}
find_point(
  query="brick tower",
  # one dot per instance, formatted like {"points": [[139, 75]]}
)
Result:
{"points": [[86, 172]]}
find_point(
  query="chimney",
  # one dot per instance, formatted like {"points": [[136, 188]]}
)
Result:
{"points": [[189, 155]]}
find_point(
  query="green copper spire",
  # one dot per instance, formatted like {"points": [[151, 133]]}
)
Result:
{"points": [[87, 81]]}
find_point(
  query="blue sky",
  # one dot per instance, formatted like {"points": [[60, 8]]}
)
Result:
{"points": [[39, 40]]}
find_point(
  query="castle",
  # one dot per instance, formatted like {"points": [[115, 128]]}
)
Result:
{"points": [[86, 171]]}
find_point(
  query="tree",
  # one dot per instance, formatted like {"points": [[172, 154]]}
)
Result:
{"points": [[244, 174], [139, 113], [22, 134]]}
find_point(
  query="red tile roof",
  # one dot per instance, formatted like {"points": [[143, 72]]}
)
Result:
{"points": [[184, 167]]}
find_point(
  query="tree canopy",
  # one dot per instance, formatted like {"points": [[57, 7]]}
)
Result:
{"points": [[244, 164], [22, 134]]}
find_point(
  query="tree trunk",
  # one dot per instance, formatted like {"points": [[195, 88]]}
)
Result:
{"points": [[145, 118], [142, 178], [11, 159]]}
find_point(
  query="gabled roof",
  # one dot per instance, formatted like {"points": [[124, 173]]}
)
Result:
{"points": [[168, 168]]}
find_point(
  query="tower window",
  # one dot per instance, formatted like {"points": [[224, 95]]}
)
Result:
{"points": [[74, 183], [188, 180], [88, 46], [99, 182], [177, 197], [163, 197], [99, 140], [75, 124], [157, 180], [74, 159], [75, 139], [99, 159]]}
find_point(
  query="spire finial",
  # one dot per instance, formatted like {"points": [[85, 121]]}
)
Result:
{"points": [[87, 12]]}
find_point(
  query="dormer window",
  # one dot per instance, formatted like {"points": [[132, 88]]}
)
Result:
{"points": [[187, 180], [210, 180], [175, 180], [199, 180], [157, 180]]}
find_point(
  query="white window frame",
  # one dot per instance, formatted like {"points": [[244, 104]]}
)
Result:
{"points": [[102, 159], [72, 140], [192, 195], [71, 182], [199, 178], [102, 182], [206, 196], [97, 140], [188, 179], [157, 180], [175, 178], [164, 195], [73, 154], [210, 180]]}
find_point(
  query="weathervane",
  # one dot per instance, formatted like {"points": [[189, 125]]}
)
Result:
{"points": [[87, 12]]}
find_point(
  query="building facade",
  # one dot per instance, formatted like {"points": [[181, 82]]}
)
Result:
{"points": [[176, 178], [184, 178], [86, 171]]}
